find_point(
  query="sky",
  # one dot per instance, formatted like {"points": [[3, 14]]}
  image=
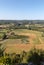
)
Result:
{"points": [[22, 9]]}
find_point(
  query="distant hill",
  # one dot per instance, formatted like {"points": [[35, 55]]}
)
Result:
{"points": [[22, 21]]}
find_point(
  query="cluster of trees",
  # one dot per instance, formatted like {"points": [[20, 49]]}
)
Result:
{"points": [[21, 25], [35, 28], [30, 27], [22, 21], [34, 56], [3, 36]]}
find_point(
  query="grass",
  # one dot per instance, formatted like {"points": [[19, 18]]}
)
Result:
{"points": [[36, 41], [18, 45], [1, 64]]}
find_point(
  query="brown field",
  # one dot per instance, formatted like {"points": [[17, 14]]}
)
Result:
{"points": [[16, 46]]}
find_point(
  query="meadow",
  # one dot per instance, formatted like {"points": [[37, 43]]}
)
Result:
{"points": [[21, 44], [18, 45]]}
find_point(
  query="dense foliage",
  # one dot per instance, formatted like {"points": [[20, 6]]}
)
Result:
{"points": [[34, 56]]}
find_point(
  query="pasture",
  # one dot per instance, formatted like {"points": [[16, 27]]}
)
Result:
{"points": [[34, 39]]}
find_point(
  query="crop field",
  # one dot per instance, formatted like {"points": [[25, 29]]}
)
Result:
{"points": [[34, 39]]}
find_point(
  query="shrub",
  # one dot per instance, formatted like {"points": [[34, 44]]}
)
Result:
{"points": [[43, 35], [36, 56], [4, 36]]}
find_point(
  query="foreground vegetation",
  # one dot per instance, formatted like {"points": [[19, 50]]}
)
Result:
{"points": [[34, 56]]}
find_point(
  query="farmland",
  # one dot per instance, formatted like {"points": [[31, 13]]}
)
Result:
{"points": [[19, 42], [18, 45]]}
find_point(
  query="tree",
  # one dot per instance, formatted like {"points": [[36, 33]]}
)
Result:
{"points": [[16, 59], [1, 50], [7, 60], [4, 36], [35, 57]]}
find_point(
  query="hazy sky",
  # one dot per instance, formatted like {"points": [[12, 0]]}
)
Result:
{"points": [[21, 9]]}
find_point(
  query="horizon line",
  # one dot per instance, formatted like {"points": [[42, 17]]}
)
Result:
{"points": [[21, 19]]}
